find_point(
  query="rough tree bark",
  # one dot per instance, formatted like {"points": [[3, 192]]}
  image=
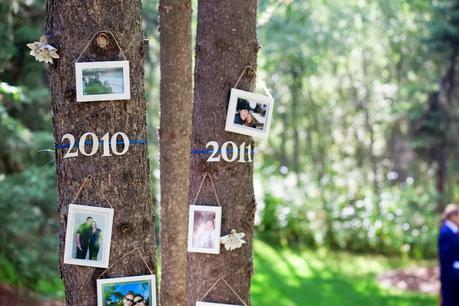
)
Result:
{"points": [[124, 179], [226, 43], [445, 103], [175, 142]]}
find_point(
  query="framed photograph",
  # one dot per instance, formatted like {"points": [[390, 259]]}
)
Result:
{"points": [[204, 226], [132, 290], [249, 113], [213, 304], [102, 81], [88, 236]]}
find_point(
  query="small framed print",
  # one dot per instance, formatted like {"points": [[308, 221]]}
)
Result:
{"points": [[88, 236], [102, 81], [213, 304], [204, 226], [249, 113], [132, 290]]}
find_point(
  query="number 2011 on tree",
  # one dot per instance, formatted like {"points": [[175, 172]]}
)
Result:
{"points": [[109, 145], [234, 151]]}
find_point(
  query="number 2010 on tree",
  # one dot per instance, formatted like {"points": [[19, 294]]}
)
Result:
{"points": [[109, 145]]}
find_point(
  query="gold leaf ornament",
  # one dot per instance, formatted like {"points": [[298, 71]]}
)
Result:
{"points": [[233, 241], [42, 51]]}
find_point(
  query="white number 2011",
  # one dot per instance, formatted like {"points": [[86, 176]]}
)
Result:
{"points": [[108, 144], [229, 152]]}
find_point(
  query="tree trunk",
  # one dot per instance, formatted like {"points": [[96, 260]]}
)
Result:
{"points": [[226, 43], [296, 89], [124, 179], [175, 143], [441, 176], [447, 87]]}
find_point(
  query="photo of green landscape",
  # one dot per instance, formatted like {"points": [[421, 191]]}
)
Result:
{"points": [[97, 81]]}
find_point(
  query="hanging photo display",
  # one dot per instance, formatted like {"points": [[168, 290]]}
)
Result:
{"points": [[213, 304], [102, 81], [88, 236], [249, 113], [204, 227], [132, 290]]}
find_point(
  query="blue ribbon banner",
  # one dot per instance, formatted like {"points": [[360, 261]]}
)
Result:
{"points": [[209, 151]]}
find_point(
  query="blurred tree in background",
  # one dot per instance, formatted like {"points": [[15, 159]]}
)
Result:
{"points": [[435, 123], [28, 256], [341, 169], [362, 152]]}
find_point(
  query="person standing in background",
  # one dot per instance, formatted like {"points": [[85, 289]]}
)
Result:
{"points": [[448, 253]]}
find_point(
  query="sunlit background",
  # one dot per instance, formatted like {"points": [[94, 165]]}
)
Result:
{"points": [[361, 158]]}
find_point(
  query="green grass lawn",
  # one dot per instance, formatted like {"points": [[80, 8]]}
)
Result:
{"points": [[285, 277], [322, 278]]}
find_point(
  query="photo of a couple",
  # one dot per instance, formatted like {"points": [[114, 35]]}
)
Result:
{"points": [[127, 291], [204, 235], [250, 115], [88, 238], [131, 299], [204, 228]]}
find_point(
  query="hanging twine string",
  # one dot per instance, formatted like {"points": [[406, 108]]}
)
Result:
{"points": [[124, 256], [213, 186], [85, 181], [222, 279], [255, 73], [242, 74], [268, 93], [94, 36]]}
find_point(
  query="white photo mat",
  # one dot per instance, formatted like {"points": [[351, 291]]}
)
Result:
{"points": [[124, 95], [128, 279], [250, 97], [90, 211], [217, 210]]}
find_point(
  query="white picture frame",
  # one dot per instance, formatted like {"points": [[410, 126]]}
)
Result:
{"points": [[258, 108], [214, 304], [129, 283], [95, 252], [102, 81], [204, 229]]}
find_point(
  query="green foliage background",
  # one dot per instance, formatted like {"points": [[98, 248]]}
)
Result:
{"points": [[350, 164]]}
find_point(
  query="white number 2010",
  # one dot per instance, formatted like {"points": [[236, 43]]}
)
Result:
{"points": [[109, 144]]}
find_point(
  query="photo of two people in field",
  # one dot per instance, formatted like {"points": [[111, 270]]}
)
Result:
{"points": [[88, 236]]}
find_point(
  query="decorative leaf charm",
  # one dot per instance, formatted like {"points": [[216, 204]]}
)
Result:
{"points": [[42, 51], [35, 46], [232, 241]]}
